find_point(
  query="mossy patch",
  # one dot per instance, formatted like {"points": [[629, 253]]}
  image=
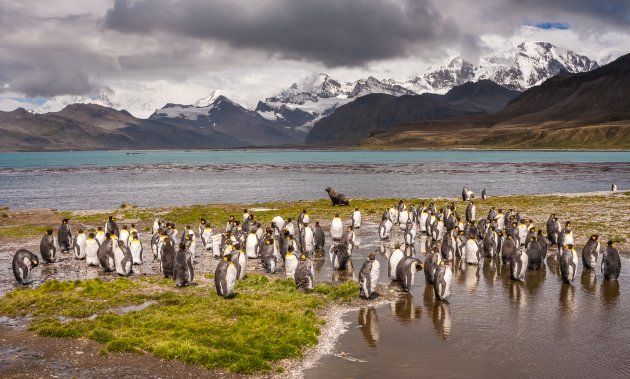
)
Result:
{"points": [[267, 321]]}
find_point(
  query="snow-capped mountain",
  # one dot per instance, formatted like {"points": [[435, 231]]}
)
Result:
{"points": [[220, 114], [318, 96], [57, 103], [530, 64]]}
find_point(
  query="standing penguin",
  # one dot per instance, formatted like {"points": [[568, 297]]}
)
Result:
{"points": [[568, 263], [508, 249], [135, 246], [356, 218], [484, 194], [79, 245], [590, 251], [239, 256], [467, 194], [64, 236], [471, 212], [422, 220], [267, 257], [611, 263], [308, 240], [251, 244], [111, 227], [542, 242], [490, 243], [430, 265], [305, 274], [319, 237], [23, 263], [183, 267], [368, 277], [348, 239], [534, 254], [91, 250], [206, 237], [518, 265], [47, 247], [124, 235], [473, 255], [406, 272], [225, 277], [167, 259], [385, 229], [442, 280], [290, 263], [336, 228], [105, 254], [566, 237], [122, 259], [100, 235], [339, 257], [396, 256]]}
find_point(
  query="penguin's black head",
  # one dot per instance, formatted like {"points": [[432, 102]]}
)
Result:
{"points": [[111, 218], [49, 232], [244, 210], [610, 243], [35, 260], [65, 220], [289, 219], [107, 235], [290, 248], [594, 237], [91, 235], [539, 232], [80, 230], [372, 256], [337, 214], [237, 246], [121, 243], [304, 211], [317, 223], [356, 209], [99, 228], [237, 223], [182, 246], [124, 227]]}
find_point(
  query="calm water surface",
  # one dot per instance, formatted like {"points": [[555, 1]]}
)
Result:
{"points": [[105, 179]]}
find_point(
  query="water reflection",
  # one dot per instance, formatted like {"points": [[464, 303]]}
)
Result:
{"points": [[534, 279], [610, 293], [517, 293], [405, 308], [588, 281], [442, 319], [339, 276], [490, 271], [368, 323], [472, 277], [568, 306]]}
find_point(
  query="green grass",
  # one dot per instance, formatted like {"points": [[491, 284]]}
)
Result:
{"points": [[266, 321]]}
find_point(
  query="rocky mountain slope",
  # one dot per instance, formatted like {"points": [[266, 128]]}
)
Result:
{"points": [[377, 113], [583, 110]]}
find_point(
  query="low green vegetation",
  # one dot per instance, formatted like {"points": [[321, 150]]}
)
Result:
{"points": [[268, 320]]}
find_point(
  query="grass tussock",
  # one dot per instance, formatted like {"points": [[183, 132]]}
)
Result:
{"points": [[266, 321]]}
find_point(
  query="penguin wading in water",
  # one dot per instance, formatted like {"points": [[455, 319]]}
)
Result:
{"points": [[442, 281], [319, 237], [304, 274], [183, 267], [611, 263], [91, 250], [534, 254], [385, 229], [225, 276], [590, 252], [122, 259], [568, 263], [368, 277], [339, 257], [336, 228], [430, 265], [406, 272], [47, 247], [396, 256], [79, 245], [473, 256], [23, 263], [518, 265], [508, 249]]}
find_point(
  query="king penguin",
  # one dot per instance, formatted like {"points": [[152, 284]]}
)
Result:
{"points": [[23, 263], [79, 245], [135, 245], [319, 237], [183, 267], [290, 263], [64, 236], [611, 263], [442, 281], [568, 263], [225, 277], [590, 252], [91, 250], [356, 218], [406, 272], [336, 228], [47, 247], [368, 277], [518, 265], [122, 259], [304, 274]]}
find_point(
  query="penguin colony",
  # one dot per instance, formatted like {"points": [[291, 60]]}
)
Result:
{"points": [[288, 249]]}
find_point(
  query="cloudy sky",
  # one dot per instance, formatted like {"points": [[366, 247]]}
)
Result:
{"points": [[144, 53]]}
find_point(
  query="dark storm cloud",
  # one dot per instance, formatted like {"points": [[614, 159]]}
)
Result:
{"points": [[336, 33], [610, 11]]}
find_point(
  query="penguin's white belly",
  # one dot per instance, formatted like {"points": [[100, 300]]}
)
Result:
{"points": [[136, 252], [336, 229], [250, 246], [118, 258], [242, 261], [309, 240], [124, 236], [290, 267], [524, 259], [448, 280], [230, 278], [393, 263], [356, 218], [402, 218], [91, 248], [471, 252], [423, 222], [374, 274]]}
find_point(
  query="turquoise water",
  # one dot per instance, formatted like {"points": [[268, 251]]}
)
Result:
{"points": [[106, 179], [122, 158]]}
